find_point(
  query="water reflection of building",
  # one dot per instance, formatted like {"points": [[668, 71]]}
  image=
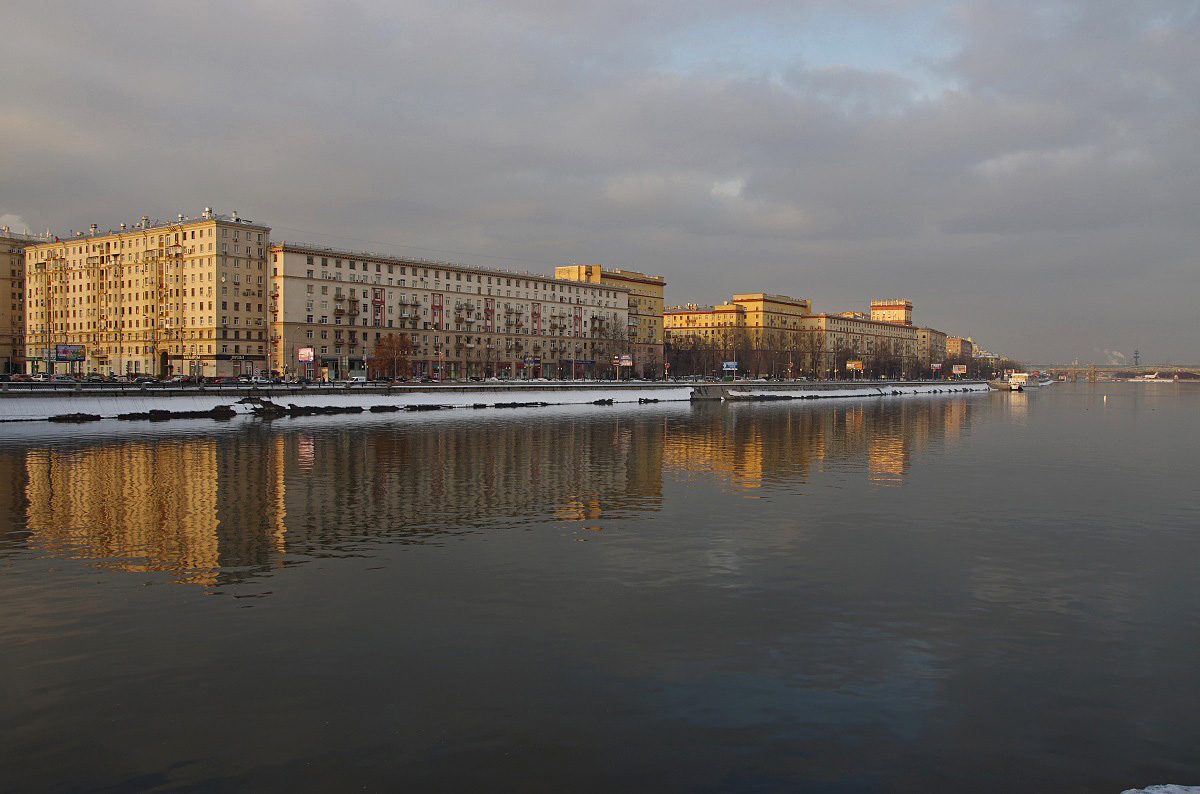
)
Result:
{"points": [[227, 506], [753, 445], [407, 478], [139, 506], [212, 510]]}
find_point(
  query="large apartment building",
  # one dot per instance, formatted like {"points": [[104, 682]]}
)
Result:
{"points": [[186, 296], [12, 298], [762, 332], [645, 331], [834, 339], [752, 319], [931, 348], [330, 307]]}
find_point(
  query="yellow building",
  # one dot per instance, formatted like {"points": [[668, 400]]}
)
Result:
{"points": [[645, 324], [329, 307], [12, 298], [762, 332], [959, 347], [158, 298]]}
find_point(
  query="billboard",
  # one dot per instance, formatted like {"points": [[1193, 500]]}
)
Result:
{"points": [[626, 360], [305, 354], [854, 365], [729, 366], [68, 353], [936, 367], [532, 361], [958, 369]]}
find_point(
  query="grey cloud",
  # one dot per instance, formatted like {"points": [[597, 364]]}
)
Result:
{"points": [[1056, 158]]}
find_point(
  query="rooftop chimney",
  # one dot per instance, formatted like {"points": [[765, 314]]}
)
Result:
{"points": [[93, 228]]}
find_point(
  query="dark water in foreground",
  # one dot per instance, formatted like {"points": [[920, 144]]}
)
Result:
{"points": [[967, 593]]}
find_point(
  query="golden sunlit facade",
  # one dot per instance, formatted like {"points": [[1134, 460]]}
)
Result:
{"points": [[12, 298], [762, 331], [959, 347], [644, 328], [184, 297]]}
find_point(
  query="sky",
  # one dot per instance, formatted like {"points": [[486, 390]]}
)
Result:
{"points": [[1027, 173]]}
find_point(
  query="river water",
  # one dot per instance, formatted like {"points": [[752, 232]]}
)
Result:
{"points": [[985, 593]]}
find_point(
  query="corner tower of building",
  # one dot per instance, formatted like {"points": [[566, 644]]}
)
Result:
{"points": [[898, 312]]}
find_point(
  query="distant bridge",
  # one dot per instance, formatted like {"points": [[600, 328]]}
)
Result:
{"points": [[1092, 371]]}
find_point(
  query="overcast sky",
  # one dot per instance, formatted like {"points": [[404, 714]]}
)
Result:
{"points": [[1027, 173]]}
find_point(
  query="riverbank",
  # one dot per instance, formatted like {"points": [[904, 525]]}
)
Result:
{"points": [[156, 404]]}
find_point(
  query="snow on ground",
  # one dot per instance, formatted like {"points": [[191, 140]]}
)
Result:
{"points": [[1167, 788], [39, 406], [883, 390]]}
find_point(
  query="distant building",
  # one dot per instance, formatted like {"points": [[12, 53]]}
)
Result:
{"points": [[892, 311], [959, 347], [645, 329], [156, 298], [12, 297], [931, 347], [761, 331], [833, 339]]}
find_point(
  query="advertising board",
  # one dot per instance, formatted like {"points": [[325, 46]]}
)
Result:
{"points": [[854, 365], [958, 369], [68, 353], [305, 354], [729, 366]]}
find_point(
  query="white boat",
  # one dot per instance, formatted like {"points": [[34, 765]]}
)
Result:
{"points": [[1020, 381]]}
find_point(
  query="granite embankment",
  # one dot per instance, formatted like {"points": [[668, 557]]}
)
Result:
{"points": [[85, 403]]}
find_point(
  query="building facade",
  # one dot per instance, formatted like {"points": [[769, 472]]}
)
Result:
{"points": [[645, 324], [184, 297], [931, 348], [329, 308], [959, 347], [832, 340], [892, 311], [12, 298], [762, 332]]}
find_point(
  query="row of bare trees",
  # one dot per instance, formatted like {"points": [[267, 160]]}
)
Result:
{"points": [[782, 355], [393, 354]]}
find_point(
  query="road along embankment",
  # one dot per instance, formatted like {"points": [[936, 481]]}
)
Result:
{"points": [[87, 404]]}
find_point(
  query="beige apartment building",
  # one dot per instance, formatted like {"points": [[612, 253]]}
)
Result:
{"points": [[833, 339], [959, 347], [931, 348], [645, 325], [157, 298], [330, 307], [12, 297]]}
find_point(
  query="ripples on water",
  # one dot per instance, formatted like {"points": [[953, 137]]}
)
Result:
{"points": [[957, 593]]}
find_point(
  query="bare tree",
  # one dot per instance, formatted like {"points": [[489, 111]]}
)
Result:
{"points": [[391, 355]]}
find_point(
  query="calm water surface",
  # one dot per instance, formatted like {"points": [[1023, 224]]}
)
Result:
{"points": [[955, 593]]}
